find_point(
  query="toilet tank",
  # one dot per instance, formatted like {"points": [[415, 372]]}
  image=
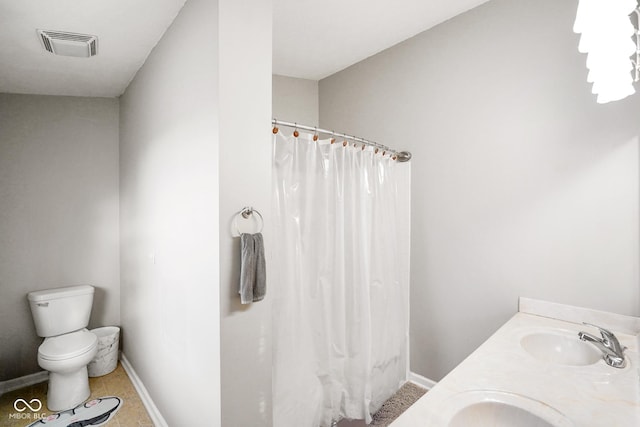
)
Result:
{"points": [[61, 310]]}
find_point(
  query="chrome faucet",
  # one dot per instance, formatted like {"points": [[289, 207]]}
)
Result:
{"points": [[612, 351]]}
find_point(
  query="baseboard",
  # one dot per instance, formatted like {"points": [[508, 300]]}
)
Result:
{"points": [[27, 380], [421, 381], [152, 409]]}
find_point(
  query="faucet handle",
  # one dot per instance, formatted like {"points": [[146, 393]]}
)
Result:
{"points": [[608, 339], [606, 334]]}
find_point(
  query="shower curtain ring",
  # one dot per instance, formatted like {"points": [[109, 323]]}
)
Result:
{"points": [[295, 130]]}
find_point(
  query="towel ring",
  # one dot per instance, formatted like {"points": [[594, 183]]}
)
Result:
{"points": [[246, 213]]}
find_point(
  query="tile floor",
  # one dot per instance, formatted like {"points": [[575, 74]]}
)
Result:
{"points": [[131, 414]]}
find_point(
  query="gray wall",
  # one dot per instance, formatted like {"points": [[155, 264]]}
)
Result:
{"points": [[169, 220], [522, 184], [58, 212], [295, 100], [245, 180], [194, 151]]}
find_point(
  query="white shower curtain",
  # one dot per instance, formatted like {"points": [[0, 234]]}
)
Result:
{"points": [[341, 280]]}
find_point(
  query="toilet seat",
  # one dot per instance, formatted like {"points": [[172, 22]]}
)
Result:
{"points": [[68, 346]]}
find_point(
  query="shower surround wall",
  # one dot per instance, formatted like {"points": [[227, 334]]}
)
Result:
{"points": [[522, 184], [58, 213]]}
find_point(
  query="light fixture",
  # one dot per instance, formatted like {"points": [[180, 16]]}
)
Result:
{"points": [[609, 39]]}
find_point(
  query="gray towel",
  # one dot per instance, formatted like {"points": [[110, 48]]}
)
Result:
{"points": [[253, 276]]}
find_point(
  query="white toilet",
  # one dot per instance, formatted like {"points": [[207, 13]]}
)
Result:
{"points": [[61, 316]]}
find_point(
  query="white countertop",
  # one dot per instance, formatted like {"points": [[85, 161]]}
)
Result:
{"points": [[589, 396]]}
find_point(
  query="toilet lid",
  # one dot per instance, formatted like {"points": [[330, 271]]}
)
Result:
{"points": [[68, 345]]}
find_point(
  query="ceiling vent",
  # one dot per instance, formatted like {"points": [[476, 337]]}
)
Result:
{"points": [[69, 44]]}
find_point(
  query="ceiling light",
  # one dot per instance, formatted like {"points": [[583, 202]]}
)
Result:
{"points": [[607, 36]]}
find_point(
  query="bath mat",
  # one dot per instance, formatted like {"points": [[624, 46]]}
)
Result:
{"points": [[95, 412], [397, 404]]}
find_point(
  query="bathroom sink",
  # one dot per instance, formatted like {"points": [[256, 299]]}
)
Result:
{"points": [[488, 408], [497, 414], [560, 348]]}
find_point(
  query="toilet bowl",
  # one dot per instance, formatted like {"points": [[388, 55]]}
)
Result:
{"points": [[66, 358], [61, 316]]}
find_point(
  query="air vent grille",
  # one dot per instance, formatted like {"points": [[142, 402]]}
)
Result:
{"points": [[69, 44]]}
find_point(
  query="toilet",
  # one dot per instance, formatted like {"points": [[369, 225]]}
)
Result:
{"points": [[61, 316]]}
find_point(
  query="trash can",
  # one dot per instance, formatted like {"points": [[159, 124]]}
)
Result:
{"points": [[106, 359]]}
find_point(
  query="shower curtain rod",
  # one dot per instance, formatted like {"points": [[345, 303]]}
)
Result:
{"points": [[401, 156]]}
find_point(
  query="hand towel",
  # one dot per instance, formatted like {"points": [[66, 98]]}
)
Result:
{"points": [[253, 277]]}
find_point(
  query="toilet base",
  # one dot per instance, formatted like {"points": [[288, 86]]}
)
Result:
{"points": [[67, 390]]}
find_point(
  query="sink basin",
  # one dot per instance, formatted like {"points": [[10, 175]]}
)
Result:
{"points": [[559, 348], [496, 414], [488, 408]]}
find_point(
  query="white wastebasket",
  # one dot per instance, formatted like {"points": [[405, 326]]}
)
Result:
{"points": [[106, 359]]}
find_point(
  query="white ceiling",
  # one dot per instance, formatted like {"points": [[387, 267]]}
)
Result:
{"points": [[127, 30], [311, 38]]}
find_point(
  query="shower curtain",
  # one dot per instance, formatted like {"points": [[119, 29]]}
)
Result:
{"points": [[341, 280]]}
